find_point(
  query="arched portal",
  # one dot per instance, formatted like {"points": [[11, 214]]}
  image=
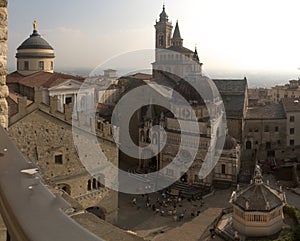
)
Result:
{"points": [[65, 187], [248, 145], [100, 212]]}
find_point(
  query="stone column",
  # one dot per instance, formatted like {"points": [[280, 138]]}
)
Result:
{"points": [[3, 70]]}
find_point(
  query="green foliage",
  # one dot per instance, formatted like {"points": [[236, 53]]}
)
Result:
{"points": [[287, 237], [297, 233], [295, 214]]}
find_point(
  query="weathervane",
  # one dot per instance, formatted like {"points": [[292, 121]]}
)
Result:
{"points": [[35, 22]]}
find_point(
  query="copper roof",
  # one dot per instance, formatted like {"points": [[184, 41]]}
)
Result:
{"points": [[35, 41]]}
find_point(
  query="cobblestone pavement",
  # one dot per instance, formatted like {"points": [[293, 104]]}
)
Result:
{"points": [[145, 223], [142, 220]]}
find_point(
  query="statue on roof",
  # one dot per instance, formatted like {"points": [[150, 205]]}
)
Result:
{"points": [[35, 22]]}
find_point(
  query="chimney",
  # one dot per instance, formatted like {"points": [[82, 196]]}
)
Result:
{"points": [[38, 95], [22, 104], [53, 104]]}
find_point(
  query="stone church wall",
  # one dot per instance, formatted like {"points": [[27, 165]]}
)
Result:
{"points": [[3, 61], [3, 86], [47, 141]]}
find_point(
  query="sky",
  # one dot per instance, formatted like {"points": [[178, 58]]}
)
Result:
{"points": [[231, 35]]}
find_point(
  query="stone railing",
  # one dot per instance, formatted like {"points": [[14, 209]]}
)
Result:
{"points": [[95, 194], [3, 71]]}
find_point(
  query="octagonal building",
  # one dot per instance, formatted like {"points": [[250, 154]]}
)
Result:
{"points": [[258, 209]]}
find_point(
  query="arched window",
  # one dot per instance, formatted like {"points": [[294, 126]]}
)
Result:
{"points": [[142, 136], [154, 139], [148, 137], [161, 40], [248, 145], [89, 186], [223, 169], [94, 183]]}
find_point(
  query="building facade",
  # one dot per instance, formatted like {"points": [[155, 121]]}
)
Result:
{"points": [[46, 105], [290, 90]]}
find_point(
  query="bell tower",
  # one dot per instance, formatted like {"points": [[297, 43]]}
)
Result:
{"points": [[163, 30]]}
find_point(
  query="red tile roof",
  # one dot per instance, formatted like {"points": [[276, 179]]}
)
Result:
{"points": [[40, 79]]}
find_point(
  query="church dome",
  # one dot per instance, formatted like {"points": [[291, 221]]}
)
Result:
{"points": [[35, 54], [35, 41]]}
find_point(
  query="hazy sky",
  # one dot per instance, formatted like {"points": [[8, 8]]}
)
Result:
{"points": [[229, 34]]}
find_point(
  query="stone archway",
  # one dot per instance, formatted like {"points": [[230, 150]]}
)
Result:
{"points": [[100, 212], [65, 187]]}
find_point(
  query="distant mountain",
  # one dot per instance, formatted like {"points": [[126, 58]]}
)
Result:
{"points": [[256, 78]]}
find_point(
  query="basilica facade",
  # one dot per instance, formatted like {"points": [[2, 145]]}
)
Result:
{"points": [[179, 70]]}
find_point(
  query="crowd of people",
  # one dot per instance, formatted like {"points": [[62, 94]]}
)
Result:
{"points": [[164, 204]]}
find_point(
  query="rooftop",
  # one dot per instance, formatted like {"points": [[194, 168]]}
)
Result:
{"points": [[291, 104], [231, 85], [40, 79], [258, 196], [271, 111], [35, 41]]}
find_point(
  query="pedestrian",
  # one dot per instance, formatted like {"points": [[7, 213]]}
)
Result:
{"points": [[134, 201], [153, 207], [157, 211]]}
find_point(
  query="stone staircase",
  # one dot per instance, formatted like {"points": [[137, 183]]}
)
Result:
{"points": [[191, 191]]}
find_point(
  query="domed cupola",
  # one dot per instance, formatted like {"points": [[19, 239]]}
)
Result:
{"points": [[163, 16], [35, 54]]}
